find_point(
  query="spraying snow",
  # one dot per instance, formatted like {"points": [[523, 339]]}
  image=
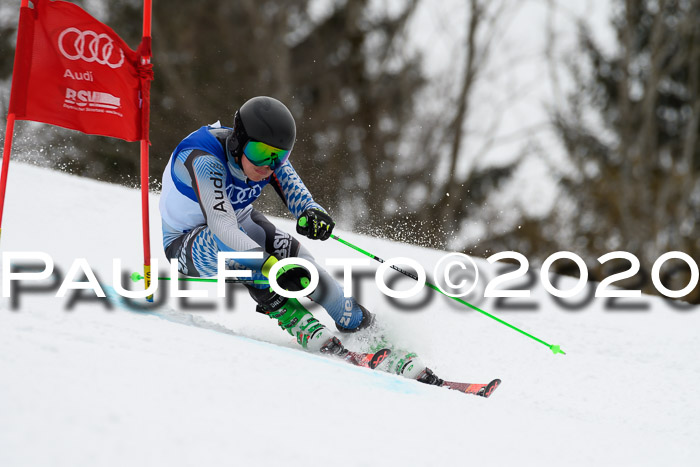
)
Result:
{"points": [[83, 381]]}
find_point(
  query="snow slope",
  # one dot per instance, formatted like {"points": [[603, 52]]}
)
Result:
{"points": [[85, 385]]}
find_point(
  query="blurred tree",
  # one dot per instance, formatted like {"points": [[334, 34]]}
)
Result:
{"points": [[631, 130], [330, 68], [365, 142], [451, 187], [340, 71]]}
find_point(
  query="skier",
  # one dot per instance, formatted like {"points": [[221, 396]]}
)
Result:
{"points": [[213, 177]]}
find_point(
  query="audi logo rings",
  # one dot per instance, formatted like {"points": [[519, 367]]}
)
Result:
{"points": [[100, 47]]}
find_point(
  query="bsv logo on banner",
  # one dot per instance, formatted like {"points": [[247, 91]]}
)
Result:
{"points": [[100, 47], [92, 99]]}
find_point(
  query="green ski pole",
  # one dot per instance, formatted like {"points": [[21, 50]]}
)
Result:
{"points": [[554, 348], [137, 277]]}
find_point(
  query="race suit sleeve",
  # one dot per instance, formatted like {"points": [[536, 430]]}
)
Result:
{"points": [[292, 190], [209, 184]]}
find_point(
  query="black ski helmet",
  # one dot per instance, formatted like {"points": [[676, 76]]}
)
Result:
{"points": [[262, 119]]}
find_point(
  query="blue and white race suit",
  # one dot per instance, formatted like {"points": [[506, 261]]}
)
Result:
{"points": [[206, 207]]}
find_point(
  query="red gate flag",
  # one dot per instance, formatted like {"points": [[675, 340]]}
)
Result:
{"points": [[75, 72]]}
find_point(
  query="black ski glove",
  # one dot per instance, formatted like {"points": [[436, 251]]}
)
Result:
{"points": [[315, 224]]}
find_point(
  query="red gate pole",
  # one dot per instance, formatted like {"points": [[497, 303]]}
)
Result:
{"points": [[9, 132], [145, 181], [6, 151]]}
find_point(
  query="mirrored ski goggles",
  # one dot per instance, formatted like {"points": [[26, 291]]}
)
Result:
{"points": [[262, 154]]}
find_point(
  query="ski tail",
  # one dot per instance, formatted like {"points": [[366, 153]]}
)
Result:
{"points": [[483, 390]]}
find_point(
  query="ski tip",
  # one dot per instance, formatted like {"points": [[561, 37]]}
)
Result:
{"points": [[488, 390], [378, 357]]}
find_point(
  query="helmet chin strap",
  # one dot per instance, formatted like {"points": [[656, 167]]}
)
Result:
{"points": [[231, 147], [231, 154], [233, 141]]}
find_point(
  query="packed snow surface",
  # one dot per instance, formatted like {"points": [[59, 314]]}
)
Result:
{"points": [[86, 382]]}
